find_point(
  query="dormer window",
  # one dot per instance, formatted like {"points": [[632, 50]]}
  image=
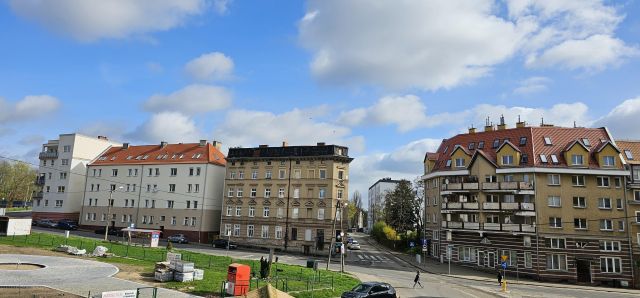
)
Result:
{"points": [[547, 141], [609, 161], [543, 158], [628, 154], [459, 162], [129, 157], [577, 159], [496, 142], [472, 146], [507, 160], [524, 159], [481, 145], [523, 141], [554, 159], [586, 142], [448, 162]]}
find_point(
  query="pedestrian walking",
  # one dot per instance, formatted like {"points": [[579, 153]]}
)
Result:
{"points": [[416, 281], [499, 278]]}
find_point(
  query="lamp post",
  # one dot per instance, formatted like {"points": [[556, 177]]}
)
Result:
{"points": [[109, 204]]}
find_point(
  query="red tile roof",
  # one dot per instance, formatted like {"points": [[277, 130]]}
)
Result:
{"points": [[633, 147], [157, 154], [560, 137]]}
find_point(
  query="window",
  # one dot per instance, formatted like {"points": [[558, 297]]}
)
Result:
{"points": [[295, 213], [196, 188], [617, 182], [239, 192], [252, 211], [553, 179], [278, 231], [114, 172], [227, 229], [198, 171], [65, 162], [189, 187], [172, 188], [448, 163], [628, 154], [232, 175], [185, 222], [524, 159], [238, 211], [543, 158], [281, 174], [481, 145], [580, 223], [173, 220], [240, 174], [265, 231], [294, 234], [507, 160], [610, 245], [61, 189], [528, 261], [297, 174], [610, 265], [157, 171], [321, 213], [267, 174], [602, 181], [577, 180], [254, 175], [554, 159], [63, 175], [557, 262], [621, 225], [236, 230], [557, 243], [311, 174], [577, 159], [579, 202], [472, 146], [323, 174], [604, 203], [296, 193], [254, 192], [609, 161], [547, 141], [606, 225], [637, 217], [555, 222], [280, 212], [460, 162], [553, 201], [467, 254], [619, 204], [229, 210], [523, 141], [496, 143], [265, 212], [170, 204], [249, 230], [340, 191], [58, 203], [526, 241]]}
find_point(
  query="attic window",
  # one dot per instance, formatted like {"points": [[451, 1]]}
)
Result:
{"points": [[547, 141], [543, 158], [481, 145], [181, 156], [102, 158], [496, 142], [196, 156], [523, 141], [145, 156], [472, 146], [628, 154], [586, 142], [129, 157], [139, 157], [174, 156], [113, 158], [159, 156], [524, 159], [448, 162], [554, 159], [165, 156]]}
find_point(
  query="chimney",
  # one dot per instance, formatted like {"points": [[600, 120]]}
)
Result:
{"points": [[520, 124], [217, 144], [472, 130], [502, 126], [285, 144], [125, 145], [263, 146], [321, 144], [163, 144], [103, 138], [202, 143], [488, 126], [542, 124]]}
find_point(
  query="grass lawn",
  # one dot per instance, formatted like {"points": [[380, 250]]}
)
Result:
{"points": [[18, 209], [297, 280]]}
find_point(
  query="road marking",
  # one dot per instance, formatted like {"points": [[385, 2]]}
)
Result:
{"points": [[360, 256]]}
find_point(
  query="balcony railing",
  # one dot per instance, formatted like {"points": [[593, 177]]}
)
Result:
{"points": [[516, 186], [48, 155], [461, 186], [37, 195], [509, 206], [490, 185], [461, 205], [499, 227], [39, 181]]}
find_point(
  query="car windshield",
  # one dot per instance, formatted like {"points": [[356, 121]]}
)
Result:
{"points": [[362, 288], [354, 242]]}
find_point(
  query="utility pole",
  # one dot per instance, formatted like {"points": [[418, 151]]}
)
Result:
{"points": [[333, 234], [342, 235], [108, 217]]}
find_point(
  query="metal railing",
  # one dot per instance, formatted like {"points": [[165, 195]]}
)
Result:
{"points": [[503, 227], [48, 155]]}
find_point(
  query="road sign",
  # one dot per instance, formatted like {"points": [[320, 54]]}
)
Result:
{"points": [[504, 265], [424, 241], [425, 248], [412, 244], [504, 258]]}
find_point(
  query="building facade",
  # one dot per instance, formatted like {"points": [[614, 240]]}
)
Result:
{"points": [[286, 197], [174, 188], [61, 175], [376, 195], [631, 154], [550, 199]]}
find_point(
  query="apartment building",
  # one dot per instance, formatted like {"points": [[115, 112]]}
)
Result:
{"points": [[376, 195], [631, 154], [174, 188], [61, 174], [550, 199], [286, 197]]}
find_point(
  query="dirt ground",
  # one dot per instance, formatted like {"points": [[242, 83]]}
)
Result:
{"points": [[34, 292], [19, 267]]}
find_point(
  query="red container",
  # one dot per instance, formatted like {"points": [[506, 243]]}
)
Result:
{"points": [[238, 278]]}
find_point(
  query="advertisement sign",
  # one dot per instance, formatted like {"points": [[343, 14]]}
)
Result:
{"points": [[120, 294]]}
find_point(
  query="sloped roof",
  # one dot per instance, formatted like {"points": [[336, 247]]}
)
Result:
{"points": [[189, 153], [633, 147]]}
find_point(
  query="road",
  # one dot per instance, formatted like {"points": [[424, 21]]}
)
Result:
{"points": [[374, 264]]}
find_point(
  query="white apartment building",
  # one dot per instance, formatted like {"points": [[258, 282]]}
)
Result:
{"points": [[376, 195], [62, 173], [175, 188]]}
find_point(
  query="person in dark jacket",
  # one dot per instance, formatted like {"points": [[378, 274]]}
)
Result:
{"points": [[416, 281], [499, 278]]}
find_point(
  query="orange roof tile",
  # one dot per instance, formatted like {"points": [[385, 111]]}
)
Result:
{"points": [[633, 147], [157, 154]]}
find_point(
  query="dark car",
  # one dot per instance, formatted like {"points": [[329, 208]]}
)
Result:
{"points": [[112, 231], [178, 238], [371, 289], [222, 243], [66, 225], [47, 223]]}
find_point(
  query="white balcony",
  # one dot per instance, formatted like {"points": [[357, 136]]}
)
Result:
{"points": [[491, 206]]}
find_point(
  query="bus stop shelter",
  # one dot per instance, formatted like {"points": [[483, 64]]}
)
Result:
{"points": [[148, 237]]}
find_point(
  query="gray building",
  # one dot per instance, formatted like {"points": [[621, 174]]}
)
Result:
{"points": [[376, 195]]}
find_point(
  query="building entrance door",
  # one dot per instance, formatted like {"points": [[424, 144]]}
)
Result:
{"points": [[583, 269], [492, 260], [481, 259]]}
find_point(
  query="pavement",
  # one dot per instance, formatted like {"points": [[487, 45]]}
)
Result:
{"points": [[77, 276]]}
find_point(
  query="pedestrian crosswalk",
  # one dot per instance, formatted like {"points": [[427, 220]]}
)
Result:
{"points": [[365, 257]]}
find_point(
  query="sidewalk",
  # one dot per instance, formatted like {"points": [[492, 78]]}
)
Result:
{"points": [[460, 272]]}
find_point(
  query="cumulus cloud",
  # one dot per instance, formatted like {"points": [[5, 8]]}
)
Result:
{"points": [[172, 127], [532, 85], [623, 120], [90, 20], [210, 66], [442, 44], [191, 100], [30, 107], [406, 112], [297, 127]]}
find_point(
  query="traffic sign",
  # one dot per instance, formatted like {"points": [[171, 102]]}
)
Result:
{"points": [[504, 258], [424, 241], [425, 248], [504, 265], [412, 244]]}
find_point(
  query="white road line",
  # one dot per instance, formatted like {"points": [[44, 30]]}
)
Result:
{"points": [[360, 256]]}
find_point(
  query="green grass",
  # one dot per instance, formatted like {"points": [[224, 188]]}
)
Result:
{"points": [[18, 209], [295, 279]]}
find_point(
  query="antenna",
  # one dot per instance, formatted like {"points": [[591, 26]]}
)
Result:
{"points": [[501, 119], [519, 118], [574, 124], [542, 123]]}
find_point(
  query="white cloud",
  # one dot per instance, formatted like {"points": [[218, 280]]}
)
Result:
{"points": [[221, 6], [210, 66], [532, 85], [30, 107], [31, 140], [297, 127], [406, 112], [623, 120], [191, 100], [172, 127], [89, 20], [442, 44]]}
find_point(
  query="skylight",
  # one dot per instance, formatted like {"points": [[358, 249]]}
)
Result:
{"points": [[523, 141], [139, 157], [113, 157], [129, 157], [481, 145], [547, 141], [448, 162], [472, 146], [145, 157], [543, 158], [586, 142], [554, 158], [628, 154], [496, 142]]}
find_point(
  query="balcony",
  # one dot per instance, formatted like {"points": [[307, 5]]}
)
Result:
{"points": [[509, 206], [37, 195], [39, 181], [461, 205], [516, 186], [490, 186], [48, 155], [461, 225], [509, 227], [460, 186]]}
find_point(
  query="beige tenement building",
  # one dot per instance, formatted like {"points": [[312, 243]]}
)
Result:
{"points": [[631, 154], [285, 197], [550, 199], [175, 188]]}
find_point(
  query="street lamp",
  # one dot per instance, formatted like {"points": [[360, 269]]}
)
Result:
{"points": [[109, 203]]}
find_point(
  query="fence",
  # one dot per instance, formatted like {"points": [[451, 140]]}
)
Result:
{"points": [[288, 284]]}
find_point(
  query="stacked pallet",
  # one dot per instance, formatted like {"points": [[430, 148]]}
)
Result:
{"points": [[176, 269]]}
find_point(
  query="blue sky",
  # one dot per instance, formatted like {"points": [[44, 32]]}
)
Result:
{"points": [[389, 79]]}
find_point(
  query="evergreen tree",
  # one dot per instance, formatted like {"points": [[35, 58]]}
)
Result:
{"points": [[400, 207]]}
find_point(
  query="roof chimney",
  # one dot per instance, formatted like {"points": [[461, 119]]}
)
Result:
{"points": [[217, 144], [472, 130], [163, 144], [263, 146], [125, 145], [502, 126], [542, 124], [520, 124], [488, 126], [103, 138], [202, 143], [285, 144], [321, 144]]}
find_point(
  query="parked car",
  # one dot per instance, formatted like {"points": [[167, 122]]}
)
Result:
{"points": [[178, 238], [349, 239], [354, 245], [371, 289], [47, 223], [66, 225], [112, 231], [222, 243]]}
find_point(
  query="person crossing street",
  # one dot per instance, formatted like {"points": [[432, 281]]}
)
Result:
{"points": [[416, 280]]}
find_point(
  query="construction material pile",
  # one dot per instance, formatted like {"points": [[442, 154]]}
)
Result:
{"points": [[176, 269], [72, 250]]}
